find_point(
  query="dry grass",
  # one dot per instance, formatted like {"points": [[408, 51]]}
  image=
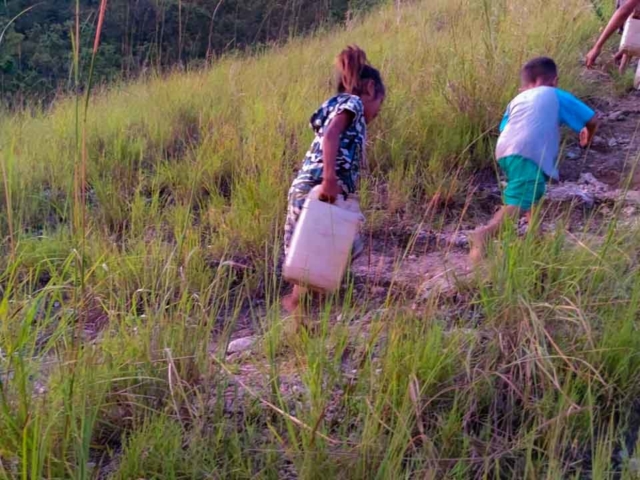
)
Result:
{"points": [[106, 331]]}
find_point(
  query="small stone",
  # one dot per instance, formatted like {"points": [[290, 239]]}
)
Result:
{"points": [[569, 192], [460, 240], [39, 388], [612, 142], [232, 264], [617, 116], [241, 345], [632, 196], [590, 180]]}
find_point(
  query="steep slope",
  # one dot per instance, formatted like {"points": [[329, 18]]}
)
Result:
{"points": [[225, 142], [117, 308]]}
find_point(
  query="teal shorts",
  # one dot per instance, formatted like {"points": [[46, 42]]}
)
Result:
{"points": [[526, 182]]}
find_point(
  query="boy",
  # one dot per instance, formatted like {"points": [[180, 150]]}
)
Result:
{"points": [[530, 141]]}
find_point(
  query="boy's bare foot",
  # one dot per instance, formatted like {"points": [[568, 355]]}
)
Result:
{"points": [[476, 243]]}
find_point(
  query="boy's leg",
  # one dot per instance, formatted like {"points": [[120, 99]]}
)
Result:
{"points": [[479, 236], [526, 185], [533, 222]]}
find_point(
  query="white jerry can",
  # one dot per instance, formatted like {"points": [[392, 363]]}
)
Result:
{"points": [[630, 42], [322, 241]]}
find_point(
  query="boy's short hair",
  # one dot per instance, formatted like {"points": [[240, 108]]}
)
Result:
{"points": [[540, 68]]}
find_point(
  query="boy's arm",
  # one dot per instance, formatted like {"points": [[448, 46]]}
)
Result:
{"points": [[617, 20], [577, 116], [589, 131]]}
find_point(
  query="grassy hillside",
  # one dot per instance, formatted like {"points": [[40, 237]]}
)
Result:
{"points": [[111, 302], [224, 144]]}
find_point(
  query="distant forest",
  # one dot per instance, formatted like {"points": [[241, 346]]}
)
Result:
{"points": [[139, 35]]}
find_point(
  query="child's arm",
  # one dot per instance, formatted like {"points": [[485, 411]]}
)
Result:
{"points": [[577, 116], [589, 131], [330, 145], [617, 21]]}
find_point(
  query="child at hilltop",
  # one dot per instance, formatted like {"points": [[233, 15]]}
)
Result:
{"points": [[624, 10], [529, 143], [624, 57], [338, 150]]}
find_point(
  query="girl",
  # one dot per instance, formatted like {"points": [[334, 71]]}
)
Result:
{"points": [[338, 149]]}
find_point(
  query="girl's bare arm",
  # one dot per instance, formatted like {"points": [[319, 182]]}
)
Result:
{"points": [[330, 146]]}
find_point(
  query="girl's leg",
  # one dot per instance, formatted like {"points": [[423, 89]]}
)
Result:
{"points": [[291, 302]]}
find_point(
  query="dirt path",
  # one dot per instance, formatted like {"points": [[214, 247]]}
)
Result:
{"points": [[594, 179], [614, 151], [422, 265]]}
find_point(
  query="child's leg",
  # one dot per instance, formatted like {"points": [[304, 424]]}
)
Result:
{"points": [[526, 185], [533, 220], [291, 302], [479, 236], [297, 196], [624, 63]]}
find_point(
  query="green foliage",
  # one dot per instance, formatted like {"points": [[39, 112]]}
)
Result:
{"points": [[217, 149], [544, 387], [35, 58]]}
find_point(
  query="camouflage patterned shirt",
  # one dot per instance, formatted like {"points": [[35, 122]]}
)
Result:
{"points": [[352, 143]]}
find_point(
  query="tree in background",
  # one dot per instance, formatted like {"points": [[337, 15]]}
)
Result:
{"points": [[138, 35]]}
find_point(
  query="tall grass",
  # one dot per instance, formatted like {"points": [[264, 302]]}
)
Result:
{"points": [[527, 372], [224, 143], [543, 385]]}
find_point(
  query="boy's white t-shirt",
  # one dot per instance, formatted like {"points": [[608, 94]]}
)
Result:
{"points": [[531, 125]]}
